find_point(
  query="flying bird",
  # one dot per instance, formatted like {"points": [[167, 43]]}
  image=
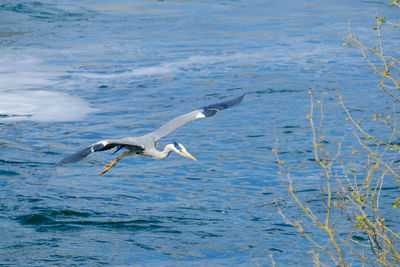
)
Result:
{"points": [[145, 145]]}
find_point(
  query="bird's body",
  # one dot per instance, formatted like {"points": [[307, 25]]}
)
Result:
{"points": [[145, 145]]}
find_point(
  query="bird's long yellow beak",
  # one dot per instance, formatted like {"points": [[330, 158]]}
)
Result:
{"points": [[186, 154]]}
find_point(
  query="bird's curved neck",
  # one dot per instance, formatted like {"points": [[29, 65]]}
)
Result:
{"points": [[165, 153]]}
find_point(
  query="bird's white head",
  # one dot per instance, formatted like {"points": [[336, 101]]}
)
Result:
{"points": [[180, 149]]}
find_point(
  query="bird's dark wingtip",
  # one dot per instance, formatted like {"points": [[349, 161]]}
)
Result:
{"points": [[210, 110], [57, 164], [239, 99], [75, 157]]}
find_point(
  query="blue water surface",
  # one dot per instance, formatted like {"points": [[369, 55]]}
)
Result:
{"points": [[75, 72]]}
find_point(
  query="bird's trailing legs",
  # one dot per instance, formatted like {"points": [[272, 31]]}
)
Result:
{"points": [[113, 163]]}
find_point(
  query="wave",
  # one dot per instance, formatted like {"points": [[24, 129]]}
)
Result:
{"points": [[265, 58], [197, 63], [27, 92], [41, 106]]}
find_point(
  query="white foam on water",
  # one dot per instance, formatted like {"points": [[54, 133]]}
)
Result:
{"points": [[29, 91], [42, 106], [281, 55], [176, 66]]}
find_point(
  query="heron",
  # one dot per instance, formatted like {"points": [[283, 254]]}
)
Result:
{"points": [[145, 145]]}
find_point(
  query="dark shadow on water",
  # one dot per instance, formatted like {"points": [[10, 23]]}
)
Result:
{"points": [[68, 220], [27, 163], [35, 219], [8, 173], [69, 213]]}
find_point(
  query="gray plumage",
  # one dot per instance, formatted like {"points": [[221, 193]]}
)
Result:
{"points": [[146, 145]]}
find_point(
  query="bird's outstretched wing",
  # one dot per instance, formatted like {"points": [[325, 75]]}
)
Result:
{"points": [[203, 112], [167, 128], [99, 146]]}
